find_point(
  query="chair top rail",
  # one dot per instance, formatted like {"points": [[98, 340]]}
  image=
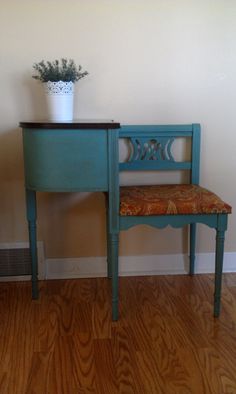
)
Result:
{"points": [[157, 130]]}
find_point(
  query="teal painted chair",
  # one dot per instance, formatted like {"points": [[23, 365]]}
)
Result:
{"points": [[177, 205]]}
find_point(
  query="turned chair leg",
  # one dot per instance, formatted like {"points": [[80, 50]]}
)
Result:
{"points": [[219, 255], [192, 248]]}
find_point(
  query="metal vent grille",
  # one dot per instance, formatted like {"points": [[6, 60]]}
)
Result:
{"points": [[15, 262]]}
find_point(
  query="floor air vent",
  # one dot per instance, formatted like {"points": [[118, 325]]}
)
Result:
{"points": [[15, 262]]}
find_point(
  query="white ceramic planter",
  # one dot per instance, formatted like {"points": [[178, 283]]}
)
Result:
{"points": [[60, 100]]}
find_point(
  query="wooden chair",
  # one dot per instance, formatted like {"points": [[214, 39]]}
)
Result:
{"points": [[178, 205]]}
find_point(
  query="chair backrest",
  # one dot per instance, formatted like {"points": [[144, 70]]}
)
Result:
{"points": [[151, 148]]}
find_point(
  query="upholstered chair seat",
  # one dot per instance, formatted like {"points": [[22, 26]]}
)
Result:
{"points": [[169, 200]]}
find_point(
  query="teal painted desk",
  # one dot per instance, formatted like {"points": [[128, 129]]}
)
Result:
{"points": [[60, 157]]}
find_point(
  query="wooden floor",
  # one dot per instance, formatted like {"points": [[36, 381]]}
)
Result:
{"points": [[166, 340]]}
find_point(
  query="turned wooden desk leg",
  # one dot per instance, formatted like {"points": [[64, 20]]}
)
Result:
{"points": [[114, 245], [109, 264], [31, 217], [109, 268]]}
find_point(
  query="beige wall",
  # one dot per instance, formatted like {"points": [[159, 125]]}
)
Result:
{"points": [[150, 61]]}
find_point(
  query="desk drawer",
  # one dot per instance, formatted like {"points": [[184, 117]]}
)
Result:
{"points": [[66, 160]]}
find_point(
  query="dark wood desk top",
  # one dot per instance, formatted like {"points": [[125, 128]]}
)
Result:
{"points": [[74, 124]]}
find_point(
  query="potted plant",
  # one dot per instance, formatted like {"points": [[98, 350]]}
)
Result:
{"points": [[58, 78]]}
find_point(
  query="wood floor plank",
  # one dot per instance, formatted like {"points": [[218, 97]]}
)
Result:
{"points": [[19, 339], [220, 377], [83, 317], [127, 375], [195, 377], [149, 373], [83, 361], [101, 314], [38, 376], [105, 370], [61, 377]]}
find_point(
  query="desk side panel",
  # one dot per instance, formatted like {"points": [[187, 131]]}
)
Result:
{"points": [[65, 160]]}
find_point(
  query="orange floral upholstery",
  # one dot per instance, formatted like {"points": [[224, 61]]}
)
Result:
{"points": [[169, 200]]}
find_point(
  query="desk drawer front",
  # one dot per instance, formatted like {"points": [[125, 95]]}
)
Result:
{"points": [[61, 160]]}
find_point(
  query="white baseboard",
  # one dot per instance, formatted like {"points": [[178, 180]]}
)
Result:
{"points": [[85, 267], [89, 267]]}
